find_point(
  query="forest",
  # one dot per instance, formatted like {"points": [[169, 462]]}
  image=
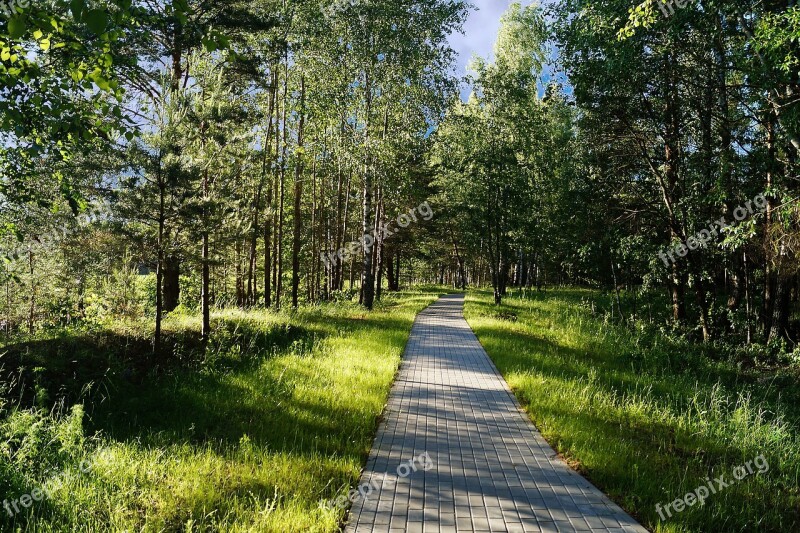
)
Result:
{"points": [[218, 220]]}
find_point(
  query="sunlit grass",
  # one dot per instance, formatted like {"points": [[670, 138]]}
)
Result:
{"points": [[251, 440], [647, 419]]}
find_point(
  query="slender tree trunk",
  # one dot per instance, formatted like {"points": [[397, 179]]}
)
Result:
{"points": [[282, 186], [252, 286], [336, 267], [779, 322], [298, 196], [462, 275], [271, 265], [616, 289], [316, 235], [206, 275], [205, 299], [701, 295], [677, 287], [390, 279], [171, 285], [380, 252], [496, 260], [770, 278], [239, 281], [340, 242], [397, 271], [367, 279], [32, 308], [160, 262]]}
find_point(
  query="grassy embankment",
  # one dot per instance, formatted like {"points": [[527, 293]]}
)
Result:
{"points": [[646, 417], [278, 414]]}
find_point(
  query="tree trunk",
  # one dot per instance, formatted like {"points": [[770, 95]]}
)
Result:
{"points": [[282, 187], [252, 285], [32, 309], [240, 293], [336, 267], [367, 280], [397, 272], [770, 277], [380, 252], [343, 237], [298, 196], [390, 279], [205, 301], [171, 283], [462, 275], [779, 321], [677, 287], [317, 232], [269, 217], [160, 262]]}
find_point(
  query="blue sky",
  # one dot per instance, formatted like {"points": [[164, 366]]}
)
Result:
{"points": [[480, 32]]}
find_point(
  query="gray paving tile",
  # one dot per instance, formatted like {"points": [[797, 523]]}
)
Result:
{"points": [[489, 469]]}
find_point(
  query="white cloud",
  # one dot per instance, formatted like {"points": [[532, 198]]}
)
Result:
{"points": [[480, 31]]}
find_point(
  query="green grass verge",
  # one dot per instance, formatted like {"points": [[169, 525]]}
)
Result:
{"points": [[279, 414], [648, 418]]}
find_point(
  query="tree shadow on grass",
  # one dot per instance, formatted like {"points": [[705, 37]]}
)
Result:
{"points": [[239, 398], [555, 362], [211, 410], [86, 367], [624, 369], [209, 399], [650, 463], [643, 461]]}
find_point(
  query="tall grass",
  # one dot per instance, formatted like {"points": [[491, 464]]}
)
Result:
{"points": [[646, 417], [277, 414]]}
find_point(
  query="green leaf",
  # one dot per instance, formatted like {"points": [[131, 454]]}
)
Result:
{"points": [[77, 7], [209, 45], [16, 27], [97, 21]]}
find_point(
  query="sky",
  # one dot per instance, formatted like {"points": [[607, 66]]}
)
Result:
{"points": [[480, 33]]}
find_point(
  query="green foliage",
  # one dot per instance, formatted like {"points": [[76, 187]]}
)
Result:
{"points": [[777, 36], [504, 159], [59, 66], [34, 442]]}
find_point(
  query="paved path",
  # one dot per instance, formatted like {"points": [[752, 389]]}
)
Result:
{"points": [[489, 468]]}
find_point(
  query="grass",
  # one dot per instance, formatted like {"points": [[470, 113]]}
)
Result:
{"points": [[646, 417], [277, 415]]}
